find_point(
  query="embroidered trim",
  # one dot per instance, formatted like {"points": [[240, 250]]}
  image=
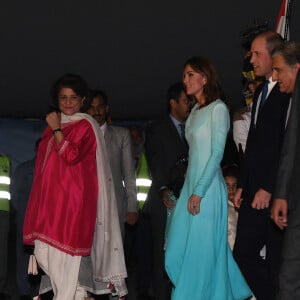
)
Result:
{"points": [[68, 249]]}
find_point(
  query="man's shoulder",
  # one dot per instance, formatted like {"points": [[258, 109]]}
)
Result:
{"points": [[278, 98], [117, 130], [160, 123]]}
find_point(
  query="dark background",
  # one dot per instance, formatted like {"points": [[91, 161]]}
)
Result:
{"points": [[133, 49]]}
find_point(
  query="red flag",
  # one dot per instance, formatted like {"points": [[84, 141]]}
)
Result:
{"points": [[282, 24]]}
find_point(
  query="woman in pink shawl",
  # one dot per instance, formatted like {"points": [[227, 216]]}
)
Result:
{"points": [[70, 194]]}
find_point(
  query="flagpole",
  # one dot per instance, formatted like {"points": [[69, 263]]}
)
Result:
{"points": [[287, 24]]}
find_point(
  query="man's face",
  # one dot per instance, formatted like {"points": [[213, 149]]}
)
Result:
{"points": [[181, 109], [231, 183], [136, 137], [98, 110], [261, 59], [284, 74]]}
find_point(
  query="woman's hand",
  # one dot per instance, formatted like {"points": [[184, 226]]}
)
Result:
{"points": [[53, 120], [194, 204], [168, 202]]}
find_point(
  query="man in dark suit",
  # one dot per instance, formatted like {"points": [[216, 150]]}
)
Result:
{"points": [[286, 209], [164, 146], [257, 178]]}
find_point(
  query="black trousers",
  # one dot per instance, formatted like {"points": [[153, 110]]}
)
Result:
{"points": [[255, 230], [161, 283], [289, 275]]}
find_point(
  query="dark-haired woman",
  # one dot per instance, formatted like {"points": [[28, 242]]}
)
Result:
{"points": [[70, 210], [198, 259]]}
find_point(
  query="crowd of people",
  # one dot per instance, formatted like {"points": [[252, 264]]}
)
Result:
{"points": [[214, 226]]}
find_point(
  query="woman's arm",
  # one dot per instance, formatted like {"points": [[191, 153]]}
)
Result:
{"points": [[74, 147], [219, 130]]}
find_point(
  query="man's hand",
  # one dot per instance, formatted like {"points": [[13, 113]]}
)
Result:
{"points": [[237, 200], [261, 199], [279, 212], [168, 202], [131, 218]]}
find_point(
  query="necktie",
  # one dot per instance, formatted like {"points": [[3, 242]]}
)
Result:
{"points": [[264, 93], [182, 133], [263, 97]]}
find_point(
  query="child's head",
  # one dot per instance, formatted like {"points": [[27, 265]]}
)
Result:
{"points": [[230, 173]]}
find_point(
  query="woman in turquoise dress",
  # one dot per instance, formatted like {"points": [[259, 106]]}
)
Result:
{"points": [[198, 259]]}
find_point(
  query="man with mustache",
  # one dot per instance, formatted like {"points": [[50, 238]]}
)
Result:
{"points": [[285, 209], [118, 145]]}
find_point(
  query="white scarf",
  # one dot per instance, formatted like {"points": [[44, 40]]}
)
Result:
{"points": [[106, 264]]}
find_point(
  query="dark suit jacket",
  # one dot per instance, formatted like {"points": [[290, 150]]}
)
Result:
{"points": [[264, 143], [163, 148], [287, 183]]}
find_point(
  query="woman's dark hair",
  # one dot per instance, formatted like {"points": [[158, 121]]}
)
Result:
{"points": [[212, 90], [72, 81]]}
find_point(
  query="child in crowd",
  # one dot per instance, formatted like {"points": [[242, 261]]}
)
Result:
{"points": [[230, 173]]}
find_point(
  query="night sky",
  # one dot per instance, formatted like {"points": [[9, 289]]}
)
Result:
{"points": [[132, 49]]}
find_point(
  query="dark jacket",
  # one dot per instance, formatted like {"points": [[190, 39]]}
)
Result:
{"points": [[260, 163], [163, 148], [287, 183]]}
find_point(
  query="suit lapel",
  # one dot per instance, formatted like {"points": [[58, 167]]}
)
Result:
{"points": [[173, 132], [271, 96], [108, 135]]}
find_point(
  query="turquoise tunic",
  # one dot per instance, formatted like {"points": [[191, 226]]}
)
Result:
{"points": [[198, 259]]}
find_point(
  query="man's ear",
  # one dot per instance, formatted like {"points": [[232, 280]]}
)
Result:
{"points": [[172, 102], [296, 68]]}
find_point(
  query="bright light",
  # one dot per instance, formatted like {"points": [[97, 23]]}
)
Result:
{"points": [[4, 195], [141, 196], [4, 180], [143, 182]]}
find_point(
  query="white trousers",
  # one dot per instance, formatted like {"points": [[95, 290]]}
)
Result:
{"points": [[62, 269]]}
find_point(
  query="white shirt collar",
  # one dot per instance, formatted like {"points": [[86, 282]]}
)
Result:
{"points": [[103, 128], [175, 121]]}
